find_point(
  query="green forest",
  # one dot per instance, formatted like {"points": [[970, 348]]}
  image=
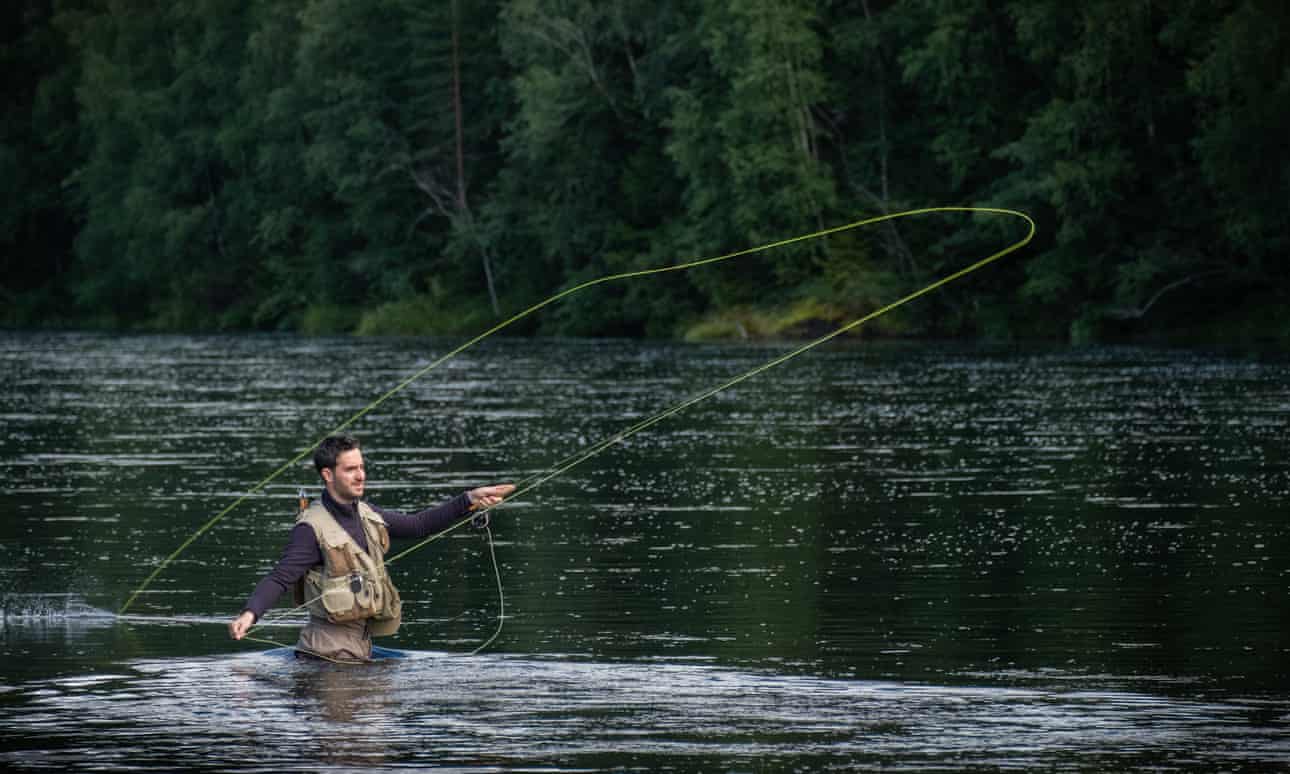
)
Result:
{"points": [[417, 167]]}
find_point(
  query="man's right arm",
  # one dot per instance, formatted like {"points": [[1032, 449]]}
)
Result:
{"points": [[301, 553]]}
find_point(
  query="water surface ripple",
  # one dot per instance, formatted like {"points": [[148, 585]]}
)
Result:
{"points": [[881, 556]]}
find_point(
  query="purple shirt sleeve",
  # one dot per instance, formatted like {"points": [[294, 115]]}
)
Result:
{"points": [[426, 522], [301, 553]]}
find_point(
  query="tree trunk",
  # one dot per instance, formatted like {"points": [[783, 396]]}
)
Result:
{"points": [[463, 209]]}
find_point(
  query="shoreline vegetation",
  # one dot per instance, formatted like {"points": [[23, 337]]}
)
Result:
{"points": [[385, 167], [1254, 328]]}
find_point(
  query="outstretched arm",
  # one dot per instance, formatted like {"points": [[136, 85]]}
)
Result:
{"points": [[429, 521], [301, 553]]}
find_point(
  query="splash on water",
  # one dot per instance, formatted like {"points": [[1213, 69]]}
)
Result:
{"points": [[51, 609]]}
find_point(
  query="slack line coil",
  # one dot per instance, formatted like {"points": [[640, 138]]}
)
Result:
{"points": [[569, 462]]}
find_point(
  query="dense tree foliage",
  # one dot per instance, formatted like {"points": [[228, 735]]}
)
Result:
{"points": [[401, 166]]}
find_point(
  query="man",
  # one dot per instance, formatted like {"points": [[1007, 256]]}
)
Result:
{"points": [[335, 557]]}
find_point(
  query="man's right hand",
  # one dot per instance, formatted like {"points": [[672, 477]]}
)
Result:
{"points": [[238, 627], [488, 496]]}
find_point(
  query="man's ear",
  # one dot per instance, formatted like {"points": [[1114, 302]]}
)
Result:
{"points": [[327, 475]]}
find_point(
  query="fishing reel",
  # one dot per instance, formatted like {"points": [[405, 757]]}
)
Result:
{"points": [[479, 520]]}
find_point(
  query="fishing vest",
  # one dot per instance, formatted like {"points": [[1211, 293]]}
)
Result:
{"points": [[351, 584]]}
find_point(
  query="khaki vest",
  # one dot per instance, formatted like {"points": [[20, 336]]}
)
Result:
{"points": [[351, 584]]}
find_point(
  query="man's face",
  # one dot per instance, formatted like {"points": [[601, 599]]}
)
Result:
{"points": [[346, 480]]}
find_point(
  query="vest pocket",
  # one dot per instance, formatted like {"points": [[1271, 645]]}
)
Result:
{"points": [[344, 597]]}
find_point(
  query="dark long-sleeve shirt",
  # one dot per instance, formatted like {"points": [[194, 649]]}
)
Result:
{"points": [[302, 551]]}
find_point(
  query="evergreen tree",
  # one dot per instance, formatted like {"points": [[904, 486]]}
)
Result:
{"points": [[586, 185], [1108, 154], [158, 247], [746, 139], [1242, 90], [401, 166], [38, 153]]}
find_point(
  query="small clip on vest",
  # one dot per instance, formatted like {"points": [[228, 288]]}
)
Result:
{"points": [[355, 582]]}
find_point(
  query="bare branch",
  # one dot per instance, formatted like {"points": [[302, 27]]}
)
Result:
{"points": [[1137, 313]]}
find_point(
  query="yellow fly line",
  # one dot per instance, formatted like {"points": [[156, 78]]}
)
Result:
{"points": [[564, 465]]}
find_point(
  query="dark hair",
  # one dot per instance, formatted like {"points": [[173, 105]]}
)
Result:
{"points": [[330, 448]]}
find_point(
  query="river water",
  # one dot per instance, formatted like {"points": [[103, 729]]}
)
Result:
{"points": [[878, 556]]}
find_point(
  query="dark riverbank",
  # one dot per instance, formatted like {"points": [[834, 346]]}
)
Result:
{"points": [[388, 168]]}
